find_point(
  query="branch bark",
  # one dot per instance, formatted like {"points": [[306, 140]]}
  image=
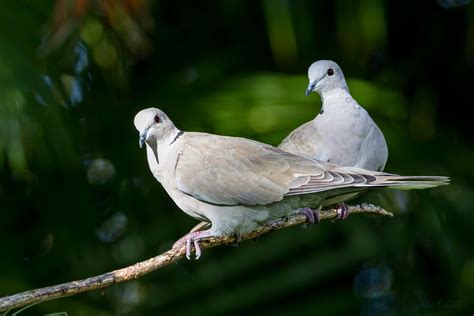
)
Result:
{"points": [[139, 269]]}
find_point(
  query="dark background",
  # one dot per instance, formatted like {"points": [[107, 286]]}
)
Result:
{"points": [[77, 198]]}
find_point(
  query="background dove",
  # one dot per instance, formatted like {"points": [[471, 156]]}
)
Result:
{"points": [[236, 183], [343, 133]]}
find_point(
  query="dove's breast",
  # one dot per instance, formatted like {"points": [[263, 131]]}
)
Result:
{"points": [[347, 136]]}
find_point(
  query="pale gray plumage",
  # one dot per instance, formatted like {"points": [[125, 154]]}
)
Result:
{"points": [[236, 183], [343, 132]]}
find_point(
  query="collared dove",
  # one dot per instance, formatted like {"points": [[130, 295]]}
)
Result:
{"points": [[343, 132], [237, 184]]}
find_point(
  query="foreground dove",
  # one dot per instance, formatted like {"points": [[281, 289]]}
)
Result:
{"points": [[343, 132], [237, 184]]}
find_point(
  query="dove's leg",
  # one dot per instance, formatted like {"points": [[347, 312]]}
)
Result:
{"points": [[198, 227], [192, 239], [238, 239], [342, 211], [309, 214], [312, 216]]}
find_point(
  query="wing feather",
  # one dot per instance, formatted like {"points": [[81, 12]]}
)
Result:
{"points": [[229, 171]]}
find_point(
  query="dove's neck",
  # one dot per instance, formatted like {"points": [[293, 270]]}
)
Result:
{"points": [[173, 134], [341, 92], [165, 144], [337, 98], [161, 152]]}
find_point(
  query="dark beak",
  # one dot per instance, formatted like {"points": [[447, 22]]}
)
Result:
{"points": [[310, 88], [142, 139]]}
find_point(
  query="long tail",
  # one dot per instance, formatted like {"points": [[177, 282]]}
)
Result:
{"points": [[357, 179], [411, 182]]}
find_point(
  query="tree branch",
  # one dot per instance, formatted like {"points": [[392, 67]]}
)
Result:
{"points": [[141, 268]]}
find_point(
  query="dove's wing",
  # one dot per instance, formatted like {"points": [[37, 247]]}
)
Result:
{"points": [[303, 141], [229, 171]]}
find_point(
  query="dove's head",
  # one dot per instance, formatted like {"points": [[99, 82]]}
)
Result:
{"points": [[325, 75], [153, 125]]}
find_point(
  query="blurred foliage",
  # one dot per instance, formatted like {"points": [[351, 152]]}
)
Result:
{"points": [[77, 198]]}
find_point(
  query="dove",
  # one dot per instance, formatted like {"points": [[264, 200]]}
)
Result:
{"points": [[343, 132], [237, 184]]}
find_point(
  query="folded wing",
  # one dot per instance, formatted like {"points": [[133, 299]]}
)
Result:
{"points": [[230, 171]]}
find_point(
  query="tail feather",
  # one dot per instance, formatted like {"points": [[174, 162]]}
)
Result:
{"points": [[365, 179], [412, 182]]}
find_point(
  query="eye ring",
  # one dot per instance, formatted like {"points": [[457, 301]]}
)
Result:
{"points": [[157, 119], [330, 72]]}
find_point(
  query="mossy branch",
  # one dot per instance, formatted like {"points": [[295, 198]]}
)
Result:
{"points": [[139, 269]]}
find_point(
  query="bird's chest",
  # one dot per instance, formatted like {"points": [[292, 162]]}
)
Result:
{"points": [[161, 162], [163, 166], [341, 124], [342, 133]]}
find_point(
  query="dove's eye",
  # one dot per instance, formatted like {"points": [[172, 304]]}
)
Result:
{"points": [[330, 72], [157, 119]]}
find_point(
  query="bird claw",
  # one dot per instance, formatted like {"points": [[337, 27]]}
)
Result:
{"points": [[312, 216], [190, 240], [197, 248], [238, 239], [342, 211]]}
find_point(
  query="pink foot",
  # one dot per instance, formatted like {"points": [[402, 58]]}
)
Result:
{"points": [[342, 211], [192, 239], [312, 216]]}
